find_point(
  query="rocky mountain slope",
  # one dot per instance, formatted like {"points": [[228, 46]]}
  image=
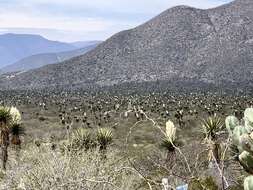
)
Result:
{"points": [[36, 61], [183, 43]]}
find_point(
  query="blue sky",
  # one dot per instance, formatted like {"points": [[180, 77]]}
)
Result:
{"points": [[74, 20]]}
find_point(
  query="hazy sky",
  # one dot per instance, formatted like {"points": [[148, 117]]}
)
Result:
{"points": [[73, 20]]}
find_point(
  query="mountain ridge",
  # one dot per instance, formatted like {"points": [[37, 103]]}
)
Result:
{"points": [[182, 43]]}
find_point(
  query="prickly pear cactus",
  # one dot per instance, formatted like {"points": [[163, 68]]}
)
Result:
{"points": [[248, 183], [241, 134]]}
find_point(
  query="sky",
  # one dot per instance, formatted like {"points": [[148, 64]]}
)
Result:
{"points": [[82, 20]]}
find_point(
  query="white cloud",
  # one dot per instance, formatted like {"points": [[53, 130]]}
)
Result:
{"points": [[123, 5], [79, 19], [61, 23], [120, 6], [2, 30]]}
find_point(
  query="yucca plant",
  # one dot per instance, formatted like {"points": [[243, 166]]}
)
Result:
{"points": [[170, 137], [15, 128], [5, 120], [81, 138], [9, 121], [5, 116], [169, 143], [104, 138], [211, 126]]}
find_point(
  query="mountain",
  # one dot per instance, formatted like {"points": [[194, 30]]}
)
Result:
{"points": [[14, 47], [39, 60], [213, 46], [81, 44]]}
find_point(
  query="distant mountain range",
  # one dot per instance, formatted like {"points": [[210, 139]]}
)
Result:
{"points": [[213, 46], [14, 47], [39, 60]]}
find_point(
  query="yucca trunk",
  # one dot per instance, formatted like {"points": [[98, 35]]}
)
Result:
{"points": [[4, 146], [171, 158], [5, 156], [214, 151], [15, 140]]}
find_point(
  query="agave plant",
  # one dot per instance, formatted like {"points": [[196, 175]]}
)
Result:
{"points": [[104, 138]]}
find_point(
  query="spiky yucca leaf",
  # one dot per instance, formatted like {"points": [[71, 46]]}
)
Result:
{"points": [[104, 137], [17, 129], [211, 126]]}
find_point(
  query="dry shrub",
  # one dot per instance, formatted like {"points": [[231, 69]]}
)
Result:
{"points": [[43, 168]]}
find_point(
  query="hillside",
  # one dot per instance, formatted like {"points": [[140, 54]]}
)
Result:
{"points": [[183, 43], [14, 47], [36, 61]]}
